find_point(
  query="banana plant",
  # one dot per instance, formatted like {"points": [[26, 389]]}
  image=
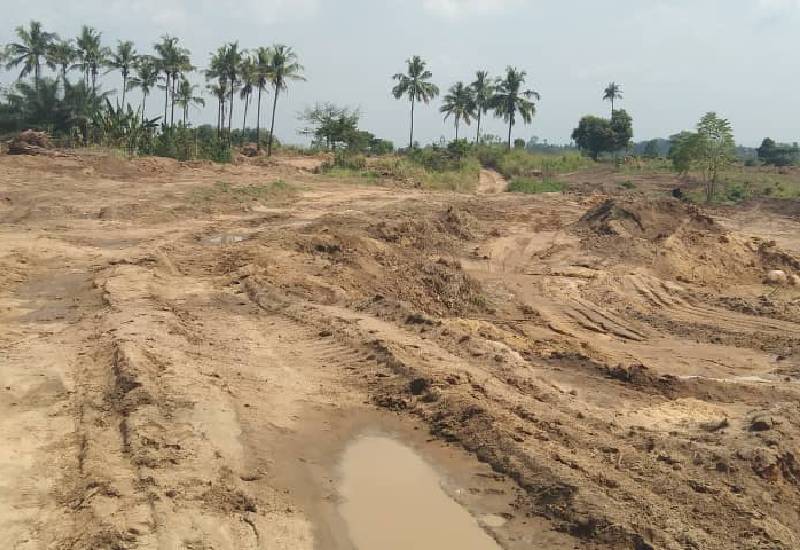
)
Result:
{"points": [[122, 126]]}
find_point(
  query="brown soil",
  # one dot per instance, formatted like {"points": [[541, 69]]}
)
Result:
{"points": [[186, 348]]}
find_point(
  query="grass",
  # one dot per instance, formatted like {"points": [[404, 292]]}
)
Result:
{"points": [[521, 163], [532, 186], [742, 183], [223, 191]]}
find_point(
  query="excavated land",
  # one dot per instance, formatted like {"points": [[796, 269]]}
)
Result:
{"points": [[185, 349]]}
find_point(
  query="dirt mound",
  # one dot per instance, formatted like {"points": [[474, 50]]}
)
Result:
{"points": [[645, 219], [249, 150], [30, 142]]}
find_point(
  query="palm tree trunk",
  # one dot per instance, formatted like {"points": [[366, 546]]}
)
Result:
{"points": [[124, 87], [258, 122], [456, 129], [478, 135], [272, 126], [37, 74], [230, 117], [509, 134], [186, 115], [166, 99], [172, 97], [411, 134], [94, 82], [144, 103], [244, 118]]}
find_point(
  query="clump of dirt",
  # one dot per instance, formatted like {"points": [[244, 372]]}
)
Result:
{"points": [[650, 220], [30, 142]]}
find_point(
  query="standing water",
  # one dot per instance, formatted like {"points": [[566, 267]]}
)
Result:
{"points": [[393, 501]]}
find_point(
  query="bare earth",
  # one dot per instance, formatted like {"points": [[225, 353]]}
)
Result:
{"points": [[185, 350]]}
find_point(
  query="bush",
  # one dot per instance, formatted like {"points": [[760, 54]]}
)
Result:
{"points": [[532, 187]]}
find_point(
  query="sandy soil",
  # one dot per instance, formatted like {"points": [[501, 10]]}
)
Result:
{"points": [[185, 350]]}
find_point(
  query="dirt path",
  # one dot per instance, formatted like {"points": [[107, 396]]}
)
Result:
{"points": [[186, 352], [491, 182]]}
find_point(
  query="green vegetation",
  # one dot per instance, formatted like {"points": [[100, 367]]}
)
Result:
{"points": [[532, 187], [416, 86], [597, 135], [778, 154], [510, 99], [612, 92], [460, 104], [223, 191]]}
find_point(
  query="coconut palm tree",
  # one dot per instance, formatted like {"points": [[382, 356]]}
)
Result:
{"points": [[220, 91], [171, 60], [483, 88], [510, 99], [612, 92], [123, 60], [415, 84], [459, 102], [91, 55], [249, 79], [185, 97], [263, 57], [30, 51], [60, 56], [146, 78], [283, 68]]}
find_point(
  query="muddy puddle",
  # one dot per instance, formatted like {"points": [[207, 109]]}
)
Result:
{"points": [[393, 499]]}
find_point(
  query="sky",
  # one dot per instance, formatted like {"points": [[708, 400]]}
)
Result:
{"points": [[675, 59]]}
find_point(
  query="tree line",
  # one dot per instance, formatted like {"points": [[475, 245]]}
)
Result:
{"points": [[232, 72], [506, 96]]}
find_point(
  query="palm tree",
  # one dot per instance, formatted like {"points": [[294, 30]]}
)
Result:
{"points": [[171, 60], [146, 78], [31, 49], [185, 98], [249, 79], [232, 62], [283, 67], [263, 69], [483, 89], [510, 99], [415, 85], [460, 103], [61, 55], [91, 55], [123, 60], [220, 91], [613, 91]]}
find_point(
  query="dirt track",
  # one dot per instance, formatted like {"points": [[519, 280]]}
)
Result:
{"points": [[184, 350]]}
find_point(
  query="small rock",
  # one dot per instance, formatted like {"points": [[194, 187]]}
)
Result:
{"points": [[761, 424], [776, 277]]}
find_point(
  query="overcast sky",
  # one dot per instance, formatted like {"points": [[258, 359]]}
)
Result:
{"points": [[675, 59]]}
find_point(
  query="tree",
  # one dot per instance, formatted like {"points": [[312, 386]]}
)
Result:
{"points": [[61, 55], [91, 55], [717, 149], [123, 59], [283, 68], [185, 97], [594, 135], [146, 78], [30, 51], [249, 80], [331, 125], [415, 84], [511, 99], [778, 154], [612, 92], [685, 148], [459, 102], [220, 91], [651, 150], [622, 128], [263, 69], [483, 89], [172, 60]]}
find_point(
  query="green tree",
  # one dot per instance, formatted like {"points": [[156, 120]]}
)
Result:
{"points": [[510, 100], [172, 61], [249, 79], [220, 91], [778, 154], [594, 135], [61, 55], [483, 88], [459, 102], [416, 85], [718, 149], [123, 60], [612, 92], [263, 70], [685, 149], [145, 79], [622, 128], [283, 68], [91, 55], [30, 51], [651, 150], [185, 97]]}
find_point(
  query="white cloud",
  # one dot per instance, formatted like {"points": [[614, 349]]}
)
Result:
{"points": [[461, 8]]}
